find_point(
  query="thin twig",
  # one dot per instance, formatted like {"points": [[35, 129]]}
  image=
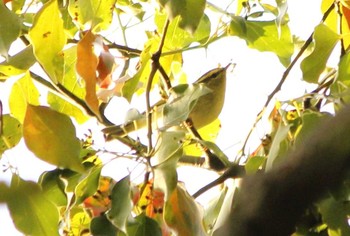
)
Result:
{"points": [[283, 79], [155, 59]]}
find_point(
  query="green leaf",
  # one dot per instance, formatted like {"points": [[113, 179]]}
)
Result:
{"points": [[190, 12], [310, 122], [17, 5], [102, 226], [121, 204], [213, 209], [89, 185], [11, 133], [254, 163], [31, 212], [314, 64], [50, 135], [10, 26], [168, 152], [23, 92], [178, 38], [18, 63], [53, 187], [264, 36], [182, 214], [49, 39], [335, 215], [144, 226], [278, 146], [96, 13], [4, 192]]}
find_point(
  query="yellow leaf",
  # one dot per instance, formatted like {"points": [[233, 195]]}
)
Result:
{"points": [[48, 39], [50, 135]]}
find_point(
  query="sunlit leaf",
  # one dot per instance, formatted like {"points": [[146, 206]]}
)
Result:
{"points": [[19, 63], [182, 214], [51, 136], [264, 36], [23, 92], [49, 39], [144, 226], [95, 13], [30, 210], [86, 66], [121, 204], [314, 64], [88, 186], [79, 221], [176, 37], [190, 12], [9, 28], [11, 133]]}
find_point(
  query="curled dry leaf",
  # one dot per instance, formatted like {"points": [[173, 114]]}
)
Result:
{"points": [[95, 65]]}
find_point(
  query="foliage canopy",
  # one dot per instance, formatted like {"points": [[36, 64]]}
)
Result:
{"points": [[75, 57]]}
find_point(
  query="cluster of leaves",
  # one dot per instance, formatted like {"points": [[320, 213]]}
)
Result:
{"points": [[74, 43]]}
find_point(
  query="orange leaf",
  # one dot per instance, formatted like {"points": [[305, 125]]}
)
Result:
{"points": [[86, 66]]}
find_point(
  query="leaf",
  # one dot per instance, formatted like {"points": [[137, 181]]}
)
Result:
{"points": [[18, 63], [121, 204], [182, 214], [213, 209], [86, 66], [50, 135], [88, 185], [31, 212], [335, 215], [254, 163], [49, 39], [10, 26], [168, 152], [97, 14], [144, 226], [70, 82], [102, 226], [314, 64], [310, 122], [23, 92], [190, 12], [264, 36], [53, 187], [276, 149], [177, 38], [11, 133]]}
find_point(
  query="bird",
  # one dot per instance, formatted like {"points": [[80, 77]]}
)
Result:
{"points": [[206, 109]]}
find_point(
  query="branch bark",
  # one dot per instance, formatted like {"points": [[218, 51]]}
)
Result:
{"points": [[271, 203]]}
